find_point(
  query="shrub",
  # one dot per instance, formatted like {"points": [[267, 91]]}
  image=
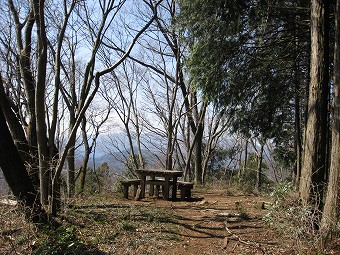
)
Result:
{"points": [[292, 220], [282, 191]]}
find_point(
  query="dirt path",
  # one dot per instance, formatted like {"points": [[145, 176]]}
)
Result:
{"points": [[213, 222], [221, 224]]}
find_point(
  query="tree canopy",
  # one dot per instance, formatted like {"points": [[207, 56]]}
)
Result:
{"points": [[247, 57]]}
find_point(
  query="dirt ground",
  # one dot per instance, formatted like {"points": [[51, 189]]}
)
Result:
{"points": [[213, 222], [216, 223]]}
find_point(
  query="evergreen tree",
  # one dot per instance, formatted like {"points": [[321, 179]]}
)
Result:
{"points": [[251, 58]]}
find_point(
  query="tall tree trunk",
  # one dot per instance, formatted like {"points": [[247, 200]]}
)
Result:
{"points": [[15, 126], [244, 169], [57, 87], [138, 138], [297, 140], [315, 146], [170, 127], [331, 208], [44, 171], [169, 149], [259, 171], [186, 132], [198, 155], [200, 116], [71, 176], [83, 167], [296, 173], [239, 172], [16, 175], [24, 45]]}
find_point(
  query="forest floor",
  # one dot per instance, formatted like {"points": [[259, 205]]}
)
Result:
{"points": [[212, 222]]}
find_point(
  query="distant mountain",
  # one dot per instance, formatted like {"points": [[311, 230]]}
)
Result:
{"points": [[102, 155], [114, 164]]}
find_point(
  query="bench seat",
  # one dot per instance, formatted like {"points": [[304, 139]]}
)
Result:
{"points": [[156, 183], [185, 189], [126, 185]]}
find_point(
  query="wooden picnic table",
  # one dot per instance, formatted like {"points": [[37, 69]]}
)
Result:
{"points": [[170, 177]]}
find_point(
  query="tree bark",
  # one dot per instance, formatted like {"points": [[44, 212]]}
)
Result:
{"points": [[57, 88], [244, 169], [259, 171], [315, 145], [41, 129], [71, 180], [297, 140], [198, 141], [331, 208], [83, 167], [16, 175], [24, 46], [297, 113], [14, 125], [198, 155]]}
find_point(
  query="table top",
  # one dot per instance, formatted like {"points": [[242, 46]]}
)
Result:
{"points": [[160, 172]]}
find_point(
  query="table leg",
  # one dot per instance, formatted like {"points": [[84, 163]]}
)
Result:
{"points": [[166, 188], [174, 188], [157, 191], [142, 186], [151, 188]]}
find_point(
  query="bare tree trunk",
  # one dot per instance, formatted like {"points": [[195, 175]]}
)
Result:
{"points": [[297, 141], [198, 155], [57, 89], [24, 46], [208, 150], [315, 146], [239, 172], [44, 171], [297, 121], [259, 171], [15, 126], [199, 141], [83, 167], [71, 173], [17, 177], [245, 161], [138, 136], [331, 208], [296, 171], [186, 133], [169, 150]]}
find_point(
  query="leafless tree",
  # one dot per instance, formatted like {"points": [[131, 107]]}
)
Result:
{"points": [[35, 29]]}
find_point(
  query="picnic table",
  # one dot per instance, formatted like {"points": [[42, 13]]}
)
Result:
{"points": [[150, 175]]}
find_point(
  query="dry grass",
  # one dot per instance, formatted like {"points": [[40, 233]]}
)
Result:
{"points": [[294, 222], [122, 228], [16, 235], [108, 224], [97, 225]]}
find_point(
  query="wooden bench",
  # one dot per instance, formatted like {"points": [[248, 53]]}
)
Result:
{"points": [[156, 183], [126, 185], [185, 189]]}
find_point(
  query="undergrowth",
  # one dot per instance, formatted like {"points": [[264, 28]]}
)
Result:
{"points": [[293, 221], [97, 225]]}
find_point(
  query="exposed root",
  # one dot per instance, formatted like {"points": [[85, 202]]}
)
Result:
{"points": [[238, 239]]}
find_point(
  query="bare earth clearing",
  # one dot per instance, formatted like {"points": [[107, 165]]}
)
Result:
{"points": [[211, 223]]}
